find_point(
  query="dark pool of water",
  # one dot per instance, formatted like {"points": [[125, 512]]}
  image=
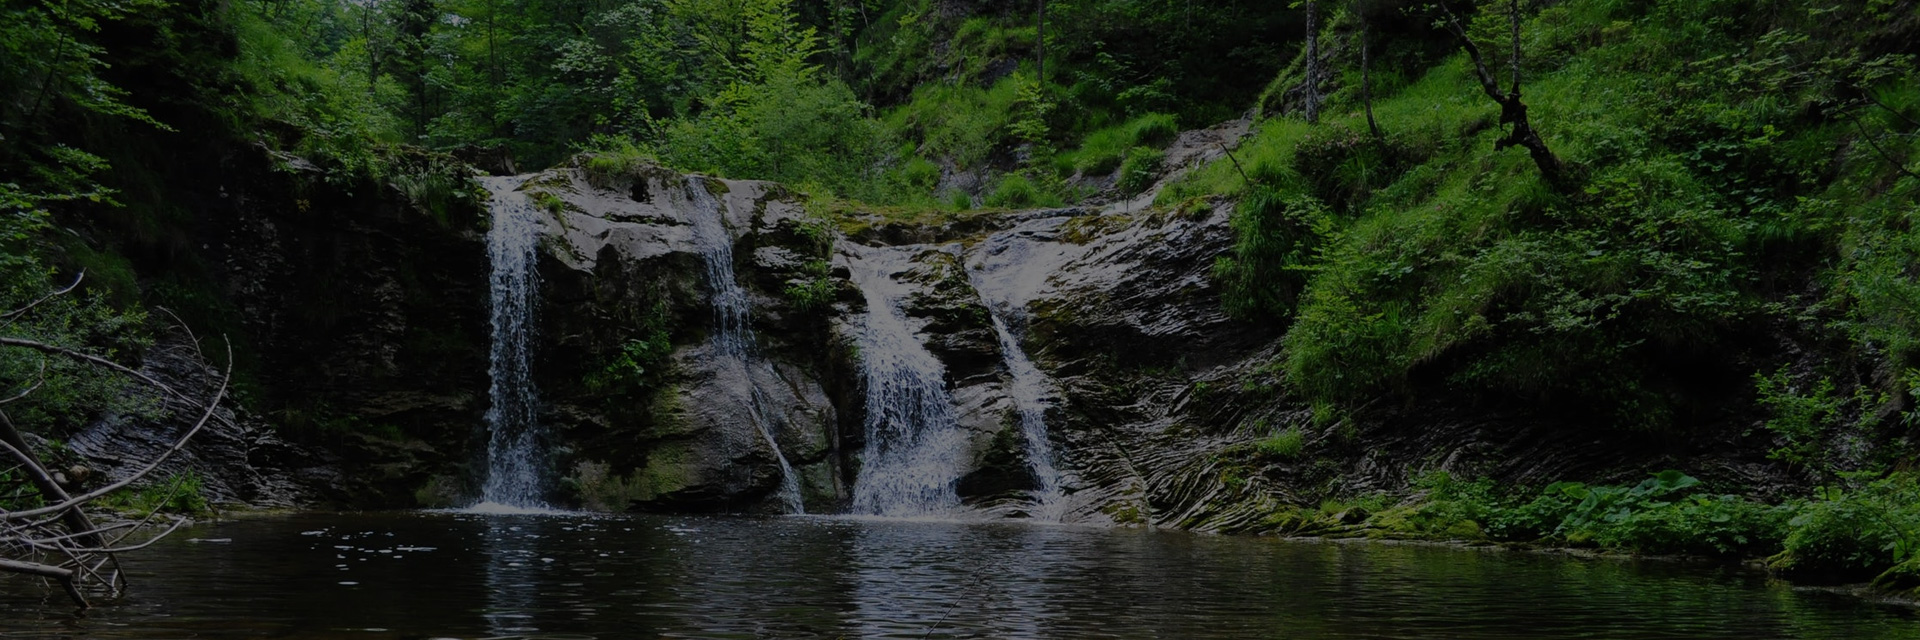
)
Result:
{"points": [[413, 575]]}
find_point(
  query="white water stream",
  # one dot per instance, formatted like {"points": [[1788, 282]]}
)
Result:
{"points": [[733, 337], [516, 447]]}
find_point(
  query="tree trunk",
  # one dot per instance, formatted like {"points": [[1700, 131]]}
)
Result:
{"points": [[1366, 76], [1040, 44], [74, 519], [1312, 93]]}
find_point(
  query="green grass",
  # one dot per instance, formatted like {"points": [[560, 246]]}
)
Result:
{"points": [[1101, 151], [1286, 445]]}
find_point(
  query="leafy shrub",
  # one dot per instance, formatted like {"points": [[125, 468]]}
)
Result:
{"points": [[1452, 507], [1805, 414], [814, 292], [1726, 525], [1275, 243], [1140, 168], [1154, 129], [179, 493], [612, 160], [1854, 534], [1662, 514], [1538, 518], [640, 360]]}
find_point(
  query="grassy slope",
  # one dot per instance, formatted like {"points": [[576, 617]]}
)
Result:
{"points": [[1738, 258]]}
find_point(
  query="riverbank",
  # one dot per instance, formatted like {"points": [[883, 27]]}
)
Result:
{"points": [[1854, 538]]}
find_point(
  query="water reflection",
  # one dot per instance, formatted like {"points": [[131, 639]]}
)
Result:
{"points": [[469, 576]]}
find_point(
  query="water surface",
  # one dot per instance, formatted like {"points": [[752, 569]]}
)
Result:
{"points": [[414, 575]]}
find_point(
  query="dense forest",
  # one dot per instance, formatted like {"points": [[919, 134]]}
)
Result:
{"points": [[1677, 224]]}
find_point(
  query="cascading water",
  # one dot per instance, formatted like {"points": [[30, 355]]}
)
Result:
{"points": [[1030, 390], [915, 452], [733, 338], [516, 456]]}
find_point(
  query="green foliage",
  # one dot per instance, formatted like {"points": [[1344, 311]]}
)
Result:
{"points": [[960, 123], [1443, 266], [1451, 508], [1014, 191], [1288, 444], [1665, 514], [778, 117], [1854, 534], [1139, 169], [1805, 415], [640, 362], [1276, 239], [1102, 150], [178, 494], [814, 292], [85, 319], [611, 160]]}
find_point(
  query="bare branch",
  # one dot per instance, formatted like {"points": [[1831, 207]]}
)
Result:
{"points": [[182, 324], [40, 379], [90, 359], [10, 316], [1872, 142], [63, 576], [90, 532], [110, 550], [212, 405]]}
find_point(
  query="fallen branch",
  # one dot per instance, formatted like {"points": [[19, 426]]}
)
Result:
{"points": [[212, 406], [61, 531]]}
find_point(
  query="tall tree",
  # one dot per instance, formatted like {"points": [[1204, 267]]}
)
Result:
{"points": [[1311, 92], [414, 25]]}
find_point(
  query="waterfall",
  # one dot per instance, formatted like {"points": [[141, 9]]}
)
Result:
{"points": [[515, 448], [733, 338], [1030, 390], [915, 451]]}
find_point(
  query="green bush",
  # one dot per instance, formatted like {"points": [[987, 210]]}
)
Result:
{"points": [[1725, 525], [814, 292], [179, 494], [1538, 518], [1140, 168], [1663, 514], [640, 361], [599, 490], [1276, 239], [1853, 535]]}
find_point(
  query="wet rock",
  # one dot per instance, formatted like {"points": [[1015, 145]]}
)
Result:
{"points": [[623, 268]]}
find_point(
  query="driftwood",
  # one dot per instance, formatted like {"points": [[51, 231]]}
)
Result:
{"points": [[59, 542]]}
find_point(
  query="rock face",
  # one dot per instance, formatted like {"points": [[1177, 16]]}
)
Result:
{"points": [[680, 425], [358, 321]]}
